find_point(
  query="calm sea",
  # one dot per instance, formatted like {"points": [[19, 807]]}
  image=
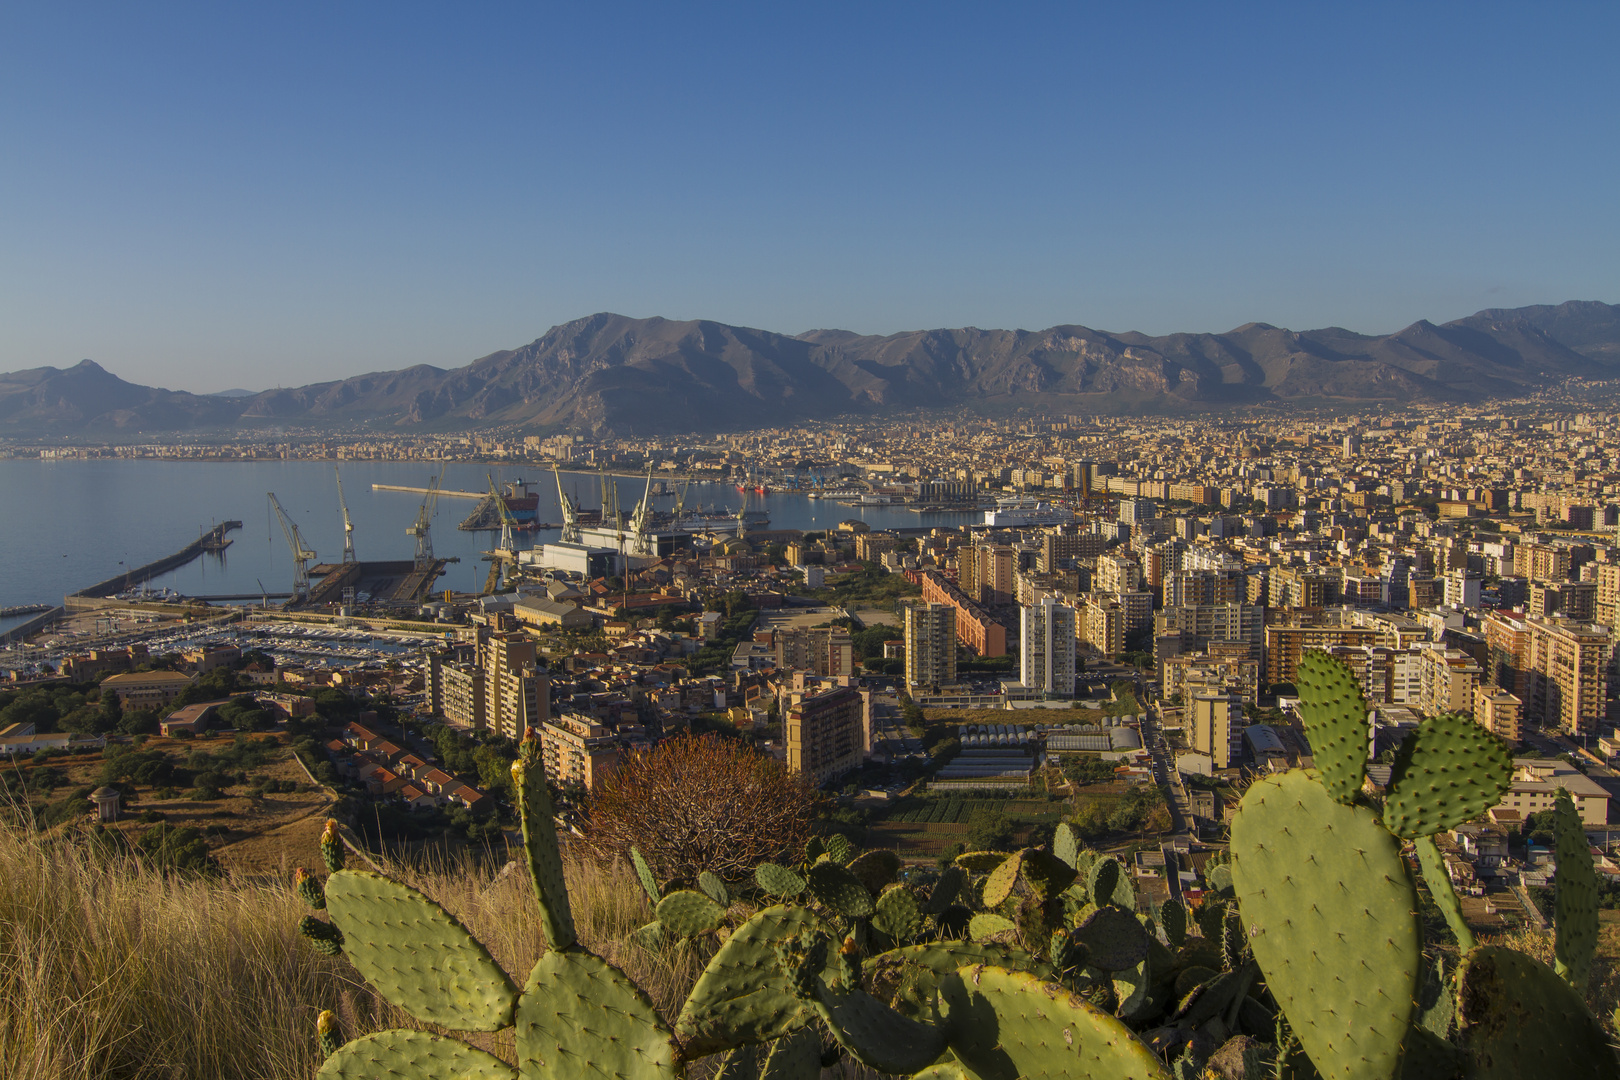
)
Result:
{"points": [[69, 524]]}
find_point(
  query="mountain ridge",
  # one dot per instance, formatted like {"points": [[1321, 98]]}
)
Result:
{"points": [[613, 373]]}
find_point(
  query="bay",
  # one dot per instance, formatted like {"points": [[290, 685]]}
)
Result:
{"points": [[65, 525]]}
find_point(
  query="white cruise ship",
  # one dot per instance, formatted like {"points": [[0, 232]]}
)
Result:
{"points": [[1025, 513]]}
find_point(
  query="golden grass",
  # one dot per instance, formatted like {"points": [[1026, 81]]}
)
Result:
{"points": [[110, 971]]}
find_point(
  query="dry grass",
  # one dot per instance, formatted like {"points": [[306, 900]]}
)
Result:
{"points": [[109, 971]]}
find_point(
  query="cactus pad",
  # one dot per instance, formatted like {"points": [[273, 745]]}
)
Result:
{"points": [[714, 888], [778, 880], [1114, 939], [1575, 903], [1334, 713], [980, 862], [1065, 844], [874, 1034], [999, 885], [1173, 918], [417, 955], [794, 1057], [897, 913], [987, 927], [1445, 897], [412, 1053], [1447, 771], [839, 849], [1516, 1018], [687, 913], [1005, 1025], [1219, 878], [1046, 875], [876, 868], [743, 996], [740, 1063], [644, 874], [540, 843], [1333, 922], [1109, 883], [839, 889], [579, 1015], [950, 882]]}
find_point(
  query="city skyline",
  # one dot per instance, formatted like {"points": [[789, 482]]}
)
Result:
{"points": [[215, 200]]}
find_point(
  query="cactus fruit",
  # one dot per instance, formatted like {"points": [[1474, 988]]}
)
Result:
{"points": [[323, 937], [326, 1033], [1575, 895], [778, 880], [794, 1057], [840, 890], [839, 849], [644, 875], [1173, 919], [687, 913], [1332, 919], [945, 891], [980, 862], [988, 927], [743, 995], [412, 1053], [1447, 771], [1065, 844], [332, 852], [1006, 1024], [897, 913], [1445, 897], [875, 869], [714, 888], [581, 1015], [1114, 939], [540, 843], [309, 890], [417, 955], [1334, 714], [1516, 1018]]}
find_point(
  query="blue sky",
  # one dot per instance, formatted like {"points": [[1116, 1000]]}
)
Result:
{"points": [[249, 195]]}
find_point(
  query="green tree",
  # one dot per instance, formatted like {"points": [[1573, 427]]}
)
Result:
{"points": [[988, 830]]}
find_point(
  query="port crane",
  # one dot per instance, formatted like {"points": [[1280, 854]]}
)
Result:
{"points": [[570, 512], [348, 523], [420, 527], [504, 556], [302, 555]]}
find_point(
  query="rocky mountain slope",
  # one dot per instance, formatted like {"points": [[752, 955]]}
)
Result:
{"points": [[613, 373]]}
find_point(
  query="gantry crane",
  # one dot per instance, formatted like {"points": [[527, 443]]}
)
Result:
{"points": [[570, 512], [506, 555], [420, 528], [300, 553], [348, 523]]}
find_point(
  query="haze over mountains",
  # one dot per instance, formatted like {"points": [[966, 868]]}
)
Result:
{"points": [[652, 376]]}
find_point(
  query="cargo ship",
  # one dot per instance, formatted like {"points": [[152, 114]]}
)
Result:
{"points": [[521, 503]]}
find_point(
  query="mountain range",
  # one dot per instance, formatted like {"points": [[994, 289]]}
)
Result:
{"points": [[611, 373]]}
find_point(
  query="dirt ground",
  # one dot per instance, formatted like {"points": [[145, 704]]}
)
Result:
{"points": [[252, 837]]}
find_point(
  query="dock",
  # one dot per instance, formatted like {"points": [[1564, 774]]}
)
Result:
{"points": [[443, 493], [212, 540]]}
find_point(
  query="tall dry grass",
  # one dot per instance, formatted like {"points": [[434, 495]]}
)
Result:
{"points": [[111, 971]]}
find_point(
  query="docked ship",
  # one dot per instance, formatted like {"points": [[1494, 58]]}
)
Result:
{"points": [[1025, 513], [521, 503]]}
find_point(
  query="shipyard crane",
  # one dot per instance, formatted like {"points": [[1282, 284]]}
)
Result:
{"points": [[570, 512], [348, 523], [420, 527], [680, 496], [641, 520], [301, 554], [505, 556], [742, 511]]}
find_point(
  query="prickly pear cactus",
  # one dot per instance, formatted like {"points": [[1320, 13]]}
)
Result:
{"points": [[1332, 921], [1575, 888], [1007, 1025], [1334, 712], [743, 996], [687, 913], [413, 1054], [1445, 897], [580, 1016], [1447, 771], [1516, 1018], [778, 880]]}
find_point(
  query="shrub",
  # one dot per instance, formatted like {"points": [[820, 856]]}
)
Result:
{"points": [[702, 803]]}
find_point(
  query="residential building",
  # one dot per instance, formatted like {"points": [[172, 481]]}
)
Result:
{"points": [[1447, 679], [1537, 781], [824, 733], [1569, 664], [1215, 727], [1497, 711], [578, 750], [1046, 648], [824, 651], [930, 634]]}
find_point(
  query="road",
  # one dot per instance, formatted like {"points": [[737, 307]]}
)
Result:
{"points": [[1165, 775]]}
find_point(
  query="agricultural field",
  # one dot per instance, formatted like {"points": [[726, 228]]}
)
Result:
{"points": [[922, 828], [1014, 716]]}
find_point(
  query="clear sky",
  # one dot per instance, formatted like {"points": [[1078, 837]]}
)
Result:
{"points": [[228, 194]]}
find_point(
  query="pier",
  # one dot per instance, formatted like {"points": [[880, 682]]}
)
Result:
{"points": [[443, 493], [212, 540]]}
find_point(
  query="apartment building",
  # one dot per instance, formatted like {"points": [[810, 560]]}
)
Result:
{"points": [[930, 634], [1215, 727], [1497, 711], [828, 652], [1047, 634], [824, 733], [1447, 679], [1569, 681], [578, 750]]}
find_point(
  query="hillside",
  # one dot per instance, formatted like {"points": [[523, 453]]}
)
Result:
{"points": [[646, 376]]}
